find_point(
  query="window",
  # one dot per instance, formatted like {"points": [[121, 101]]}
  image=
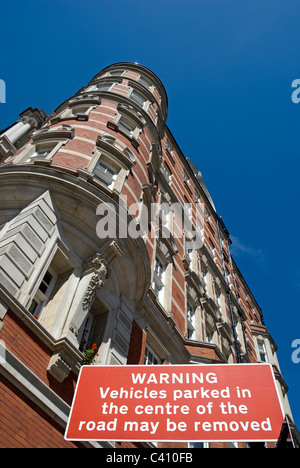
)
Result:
{"points": [[43, 293], [159, 279], [93, 327], [188, 251], [102, 87], [203, 275], [191, 324], [167, 173], [227, 276], [86, 333], [77, 111], [169, 148], [80, 110], [47, 294], [42, 151], [45, 143], [186, 178], [233, 445], [150, 358], [218, 298], [188, 207], [262, 351], [208, 335], [200, 229], [129, 122], [105, 172], [138, 98], [129, 154], [127, 126], [212, 249], [79, 107], [165, 214], [145, 83], [116, 73], [198, 445], [111, 163]]}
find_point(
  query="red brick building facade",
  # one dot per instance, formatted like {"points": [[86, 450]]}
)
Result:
{"points": [[94, 249]]}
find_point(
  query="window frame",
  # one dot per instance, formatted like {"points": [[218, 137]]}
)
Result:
{"points": [[262, 352], [82, 111], [86, 332], [42, 298], [159, 280], [115, 73], [127, 126], [113, 157], [212, 249], [108, 175], [209, 334], [28, 155], [144, 82], [167, 173], [139, 99], [147, 362], [191, 320], [55, 137], [129, 122], [106, 87]]}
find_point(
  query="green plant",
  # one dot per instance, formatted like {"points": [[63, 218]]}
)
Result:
{"points": [[89, 356]]}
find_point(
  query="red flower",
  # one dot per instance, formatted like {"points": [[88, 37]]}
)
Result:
{"points": [[94, 347], [36, 317]]}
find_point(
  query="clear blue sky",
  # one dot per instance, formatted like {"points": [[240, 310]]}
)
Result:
{"points": [[227, 66]]}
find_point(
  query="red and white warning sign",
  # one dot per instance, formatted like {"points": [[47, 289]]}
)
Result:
{"points": [[176, 403]]}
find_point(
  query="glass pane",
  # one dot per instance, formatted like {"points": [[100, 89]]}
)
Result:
{"points": [[126, 125], [137, 98], [33, 307], [145, 82], [48, 278]]}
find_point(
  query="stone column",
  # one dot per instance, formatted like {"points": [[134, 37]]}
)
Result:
{"points": [[31, 119], [19, 129]]}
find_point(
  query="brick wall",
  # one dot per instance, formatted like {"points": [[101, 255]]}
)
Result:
{"points": [[24, 425], [25, 345]]}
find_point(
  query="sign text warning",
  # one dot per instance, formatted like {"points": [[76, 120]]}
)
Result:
{"points": [[176, 403]]}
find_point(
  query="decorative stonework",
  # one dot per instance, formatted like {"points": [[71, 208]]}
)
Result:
{"points": [[59, 367], [101, 273]]}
